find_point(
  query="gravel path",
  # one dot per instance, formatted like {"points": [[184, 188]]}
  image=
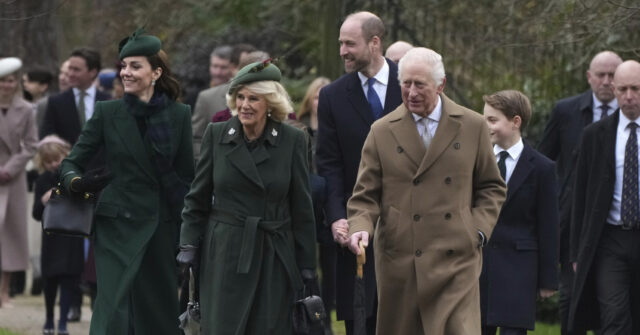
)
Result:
{"points": [[27, 316]]}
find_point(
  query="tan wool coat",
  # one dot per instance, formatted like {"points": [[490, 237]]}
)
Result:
{"points": [[18, 140], [424, 210]]}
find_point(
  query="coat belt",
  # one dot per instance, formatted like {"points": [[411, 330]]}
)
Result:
{"points": [[273, 229]]}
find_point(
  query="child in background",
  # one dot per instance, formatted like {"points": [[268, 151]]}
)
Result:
{"points": [[62, 257]]}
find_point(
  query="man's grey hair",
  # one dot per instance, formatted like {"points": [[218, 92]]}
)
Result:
{"points": [[427, 57], [223, 52]]}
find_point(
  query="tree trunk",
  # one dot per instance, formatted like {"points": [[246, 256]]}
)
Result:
{"points": [[29, 31]]}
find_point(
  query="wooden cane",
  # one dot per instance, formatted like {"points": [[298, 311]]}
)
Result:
{"points": [[361, 259]]}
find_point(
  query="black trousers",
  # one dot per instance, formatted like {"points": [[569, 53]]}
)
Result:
{"points": [[564, 298], [491, 330], [617, 274]]}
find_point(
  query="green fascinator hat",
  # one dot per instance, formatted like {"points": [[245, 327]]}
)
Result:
{"points": [[139, 44], [257, 71]]}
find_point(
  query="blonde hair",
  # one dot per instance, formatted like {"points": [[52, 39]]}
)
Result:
{"points": [[315, 86], [17, 74], [50, 148], [278, 100]]}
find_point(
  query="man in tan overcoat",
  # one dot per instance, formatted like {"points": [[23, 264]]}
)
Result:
{"points": [[429, 191]]}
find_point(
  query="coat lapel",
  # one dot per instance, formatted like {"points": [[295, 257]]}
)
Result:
{"points": [[393, 89], [356, 97], [127, 129], [11, 119], [405, 132], [70, 99], [523, 168], [608, 131], [239, 155], [5, 123], [446, 132]]}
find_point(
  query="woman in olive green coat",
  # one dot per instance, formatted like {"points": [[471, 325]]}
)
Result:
{"points": [[249, 211], [147, 140]]}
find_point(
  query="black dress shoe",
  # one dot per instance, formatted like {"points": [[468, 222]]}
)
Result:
{"points": [[74, 314]]}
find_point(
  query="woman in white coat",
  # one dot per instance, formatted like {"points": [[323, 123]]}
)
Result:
{"points": [[18, 140]]}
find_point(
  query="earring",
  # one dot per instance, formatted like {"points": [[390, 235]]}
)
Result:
{"points": [[268, 113], [153, 82]]}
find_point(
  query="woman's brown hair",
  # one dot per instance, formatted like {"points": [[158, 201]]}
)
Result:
{"points": [[167, 83]]}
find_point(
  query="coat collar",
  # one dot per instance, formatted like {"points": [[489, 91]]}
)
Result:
{"points": [[404, 130], [585, 106], [17, 110], [523, 168], [239, 155], [448, 128], [355, 94], [607, 130], [125, 125], [233, 131]]}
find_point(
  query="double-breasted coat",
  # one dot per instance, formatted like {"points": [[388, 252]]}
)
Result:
{"points": [[135, 233], [18, 140], [522, 255], [258, 233], [425, 209]]}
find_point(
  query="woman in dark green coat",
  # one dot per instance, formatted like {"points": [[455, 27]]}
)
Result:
{"points": [[147, 140], [249, 211]]}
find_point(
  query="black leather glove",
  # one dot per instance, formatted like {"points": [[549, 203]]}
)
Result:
{"points": [[310, 281], [188, 256], [92, 181]]}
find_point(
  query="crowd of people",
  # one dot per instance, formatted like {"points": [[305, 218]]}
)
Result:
{"points": [[465, 225]]}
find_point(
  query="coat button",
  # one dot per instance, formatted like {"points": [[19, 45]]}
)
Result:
{"points": [[418, 253], [456, 145], [127, 215], [399, 149], [449, 252], [447, 180], [447, 216], [416, 217], [416, 181]]}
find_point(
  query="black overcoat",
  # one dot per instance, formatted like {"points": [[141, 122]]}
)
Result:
{"points": [[522, 254], [595, 180]]}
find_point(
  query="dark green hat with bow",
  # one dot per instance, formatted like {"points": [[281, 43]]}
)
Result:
{"points": [[139, 44], [257, 71]]}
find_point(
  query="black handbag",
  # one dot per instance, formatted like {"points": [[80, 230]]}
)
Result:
{"points": [[308, 314], [68, 214], [189, 321]]}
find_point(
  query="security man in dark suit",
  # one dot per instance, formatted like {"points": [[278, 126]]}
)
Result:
{"points": [[67, 113], [605, 223], [560, 143], [346, 109]]}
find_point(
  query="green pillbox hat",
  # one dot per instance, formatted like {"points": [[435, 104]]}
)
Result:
{"points": [[257, 71], [139, 45]]}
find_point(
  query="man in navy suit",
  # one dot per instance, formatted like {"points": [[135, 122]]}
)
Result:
{"points": [[65, 116], [67, 111], [346, 109], [560, 143], [605, 222], [520, 262]]}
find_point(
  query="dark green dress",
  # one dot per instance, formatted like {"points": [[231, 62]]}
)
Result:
{"points": [[135, 232], [258, 234]]}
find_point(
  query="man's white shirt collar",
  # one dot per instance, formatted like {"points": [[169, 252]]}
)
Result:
{"points": [[514, 152], [613, 104], [435, 115], [382, 76]]}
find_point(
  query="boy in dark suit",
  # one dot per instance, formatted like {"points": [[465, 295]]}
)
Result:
{"points": [[521, 259]]}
